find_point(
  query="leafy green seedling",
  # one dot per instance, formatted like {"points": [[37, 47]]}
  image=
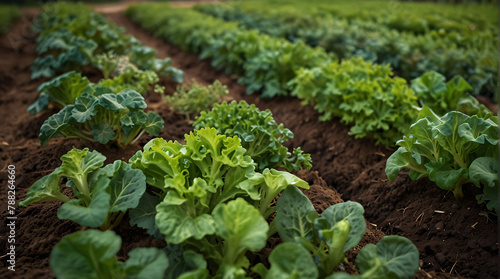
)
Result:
{"points": [[101, 196]]}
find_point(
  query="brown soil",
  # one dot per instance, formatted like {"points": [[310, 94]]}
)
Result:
{"points": [[461, 241]]}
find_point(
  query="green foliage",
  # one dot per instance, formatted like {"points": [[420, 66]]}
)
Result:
{"points": [[314, 246], [64, 89], [361, 94], [196, 98], [442, 97], [72, 35], [328, 236], [451, 150], [209, 194], [104, 117], [92, 254], [101, 195], [131, 78], [259, 133]]}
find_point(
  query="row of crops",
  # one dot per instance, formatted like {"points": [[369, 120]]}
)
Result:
{"points": [[210, 198], [445, 134], [453, 48]]}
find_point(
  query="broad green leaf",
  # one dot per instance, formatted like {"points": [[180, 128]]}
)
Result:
{"points": [[276, 181], [399, 160], [91, 215], [103, 132], [154, 124], [291, 260], [185, 264], [126, 187], [39, 105], [393, 255], [295, 215], [242, 228], [45, 189], [146, 263], [444, 175], [429, 83], [84, 108], [131, 99], [144, 214], [136, 117], [350, 211], [80, 163], [177, 225], [86, 254], [57, 125], [484, 171], [110, 102]]}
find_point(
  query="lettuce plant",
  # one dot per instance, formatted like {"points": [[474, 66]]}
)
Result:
{"points": [[451, 150], [101, 196], [208, 192], [103, 117], [92, 254], [259, 133], [196, 98], [314, 246]]}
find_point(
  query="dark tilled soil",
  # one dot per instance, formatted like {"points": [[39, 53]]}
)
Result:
{"points": [[456, 238]]}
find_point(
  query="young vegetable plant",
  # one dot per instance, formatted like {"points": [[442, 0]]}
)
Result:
{"points": [[198, 182], [259, 133], [102, 196], [64, 89], [196, 98], [314, 246], [451, 150], [104, 117], [92, 254]]}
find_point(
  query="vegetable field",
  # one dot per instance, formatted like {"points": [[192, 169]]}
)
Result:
{"points": [[249, 139]]}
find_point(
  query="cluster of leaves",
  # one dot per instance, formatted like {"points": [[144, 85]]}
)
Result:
{"points": [[469, 53], [360, 93], [92, 254], [259, 133], [8, 14], [451, 150], [189, 99], [433, 91], [72, 35], [64, 89], [314, 246], [266, 64], [209, 193], [101, 196], [100, 115]]}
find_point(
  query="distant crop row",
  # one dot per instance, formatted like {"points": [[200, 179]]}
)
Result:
{"points": [[470, 53]]}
